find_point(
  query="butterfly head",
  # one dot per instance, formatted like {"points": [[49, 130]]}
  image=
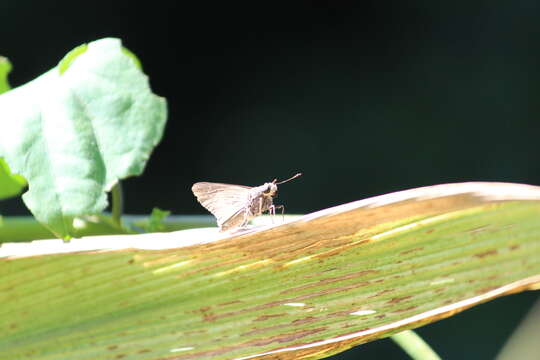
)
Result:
{"points": [[270, 189]]}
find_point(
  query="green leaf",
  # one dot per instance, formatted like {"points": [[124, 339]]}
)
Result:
{"points": [[76, 130], [308, 288], [10, 184], [155, 222], [5, 69]]}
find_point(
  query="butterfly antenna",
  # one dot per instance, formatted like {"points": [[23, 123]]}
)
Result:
{"points": [[289, 179]]}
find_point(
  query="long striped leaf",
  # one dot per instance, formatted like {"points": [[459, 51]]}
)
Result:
{"points": [[308, 288]]}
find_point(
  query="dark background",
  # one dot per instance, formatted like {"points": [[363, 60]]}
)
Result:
{"points": [[364, 100]]}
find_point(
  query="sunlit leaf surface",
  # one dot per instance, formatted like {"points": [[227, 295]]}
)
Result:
{"points": [[308, 288]]}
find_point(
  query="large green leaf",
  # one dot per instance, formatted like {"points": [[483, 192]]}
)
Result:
{"points": [[79, 128], [310, 287]]}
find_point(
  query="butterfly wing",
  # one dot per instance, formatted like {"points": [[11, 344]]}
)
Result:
{"points": [[222, 200], [234, 221]]}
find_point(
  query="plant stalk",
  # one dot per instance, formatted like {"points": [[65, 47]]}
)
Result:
{"points": [[415, 346], [117, 203]]}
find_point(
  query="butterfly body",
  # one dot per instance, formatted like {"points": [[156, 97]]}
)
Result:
{"points": [[235, 205]]}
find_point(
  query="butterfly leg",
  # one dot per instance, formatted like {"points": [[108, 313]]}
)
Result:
{"points": [[282, 210], [246, 219], [270, 208], [272, 212]]}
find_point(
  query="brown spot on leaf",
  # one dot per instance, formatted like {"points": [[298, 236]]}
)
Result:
{"points": [[485, 290], [142, 351], [265, 329], [112, 347], [340, 313], [287, 337], [406, 309], [411, 250], [380, 293], [206, 314], [256, 342], [398, 299], [331, 280], [230, 303], [486, 253], [305, 320], [266, 317]]}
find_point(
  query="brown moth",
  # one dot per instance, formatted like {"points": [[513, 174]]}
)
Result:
{"points": [[235, 205]]}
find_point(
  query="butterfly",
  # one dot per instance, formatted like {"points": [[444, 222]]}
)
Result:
{"points": [[235, 205]]}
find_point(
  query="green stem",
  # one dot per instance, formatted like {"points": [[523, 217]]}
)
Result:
{"points": [[413, 345], [27, 228], [117, 203]]}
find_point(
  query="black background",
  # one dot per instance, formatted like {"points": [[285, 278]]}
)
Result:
{"points": [[364, 100]]}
